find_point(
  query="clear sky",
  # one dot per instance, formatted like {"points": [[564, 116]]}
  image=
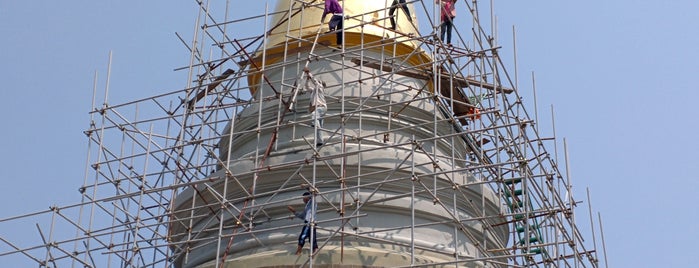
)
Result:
{"points": [[621, 76]]}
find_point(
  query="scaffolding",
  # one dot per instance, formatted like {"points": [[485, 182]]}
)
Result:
{"points": [[201, 176]]}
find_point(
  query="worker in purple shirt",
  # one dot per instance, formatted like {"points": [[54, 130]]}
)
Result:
{"points": [[335, 24]]}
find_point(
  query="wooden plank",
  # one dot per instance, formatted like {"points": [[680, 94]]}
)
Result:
{"points": [[219, 79], [425, 74]]}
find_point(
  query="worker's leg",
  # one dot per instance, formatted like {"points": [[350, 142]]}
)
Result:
{"points": [[450, 26], [336, 25], [442, 30], [406, 10], [314, 242], [390, 14], [338, 38], [305, 233], [318, 123]]}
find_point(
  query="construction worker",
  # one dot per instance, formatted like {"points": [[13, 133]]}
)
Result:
{"points": [[447, 14], [308, 216], [317, 106], [394, 6], [335, 24]]}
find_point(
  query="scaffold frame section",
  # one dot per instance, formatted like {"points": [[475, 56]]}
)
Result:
{"points": [[145, 155]]}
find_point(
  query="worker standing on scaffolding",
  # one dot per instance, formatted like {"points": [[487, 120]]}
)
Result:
{"points": [[317, 106], [447, 13], [308, 217], [335, 24], [394, 6]]}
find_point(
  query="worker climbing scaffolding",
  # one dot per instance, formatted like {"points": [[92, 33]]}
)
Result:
{"points": [[317, 105], [447, 15], [308, 216]]}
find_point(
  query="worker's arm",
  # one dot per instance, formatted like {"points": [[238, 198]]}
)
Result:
{"points": [[298, 215], [322, 18]]}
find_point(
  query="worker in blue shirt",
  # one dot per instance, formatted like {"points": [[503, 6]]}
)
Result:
{"points": [[308, 216]]}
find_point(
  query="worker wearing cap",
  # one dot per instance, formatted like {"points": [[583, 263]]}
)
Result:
{"points": [[308, 216]]}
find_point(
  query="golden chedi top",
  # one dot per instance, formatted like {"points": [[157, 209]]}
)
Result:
{"points": [[295, 27]]}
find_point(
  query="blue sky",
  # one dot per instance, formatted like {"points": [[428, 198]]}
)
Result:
{"points": [[620, 75]]}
